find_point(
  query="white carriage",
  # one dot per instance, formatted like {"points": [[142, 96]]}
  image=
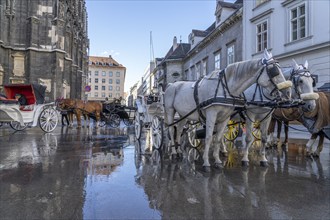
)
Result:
{"points": [[150, 115], [31, 113]]}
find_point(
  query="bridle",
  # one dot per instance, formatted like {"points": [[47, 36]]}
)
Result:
{"points": [[295, 78]]}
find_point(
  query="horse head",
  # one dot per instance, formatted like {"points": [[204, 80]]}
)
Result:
{"points": [[66, 104], [271, 76], [303, 83]]}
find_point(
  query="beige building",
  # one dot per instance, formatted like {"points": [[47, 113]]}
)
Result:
{"points": [[106, 78]]}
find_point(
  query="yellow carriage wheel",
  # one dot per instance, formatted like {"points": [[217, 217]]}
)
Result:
{"points": [[256, 130], [231, 130]]}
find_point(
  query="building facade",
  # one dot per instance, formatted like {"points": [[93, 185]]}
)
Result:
{"points": [[214, 48], [106, 78], [290, 29], [45, 42]]}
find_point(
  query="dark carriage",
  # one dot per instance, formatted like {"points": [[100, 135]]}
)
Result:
{"points": [[114, 112]]}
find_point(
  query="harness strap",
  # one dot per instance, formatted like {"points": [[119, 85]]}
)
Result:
{"points": [[197, 100]]}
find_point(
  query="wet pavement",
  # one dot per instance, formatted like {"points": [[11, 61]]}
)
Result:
{"points": [[106, 174]]}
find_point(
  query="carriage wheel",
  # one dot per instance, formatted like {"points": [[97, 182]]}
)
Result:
{"points": [[127, 121], [194, 155], [17, 126], [102, 123], [191, 132], [256, 130], [48, 119], [232, 130], [138, 126], [157, 132], [114, 120]]}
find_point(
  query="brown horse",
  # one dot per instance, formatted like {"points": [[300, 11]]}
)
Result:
{"points": [[82, 108], [88, 108], [314, 121]]}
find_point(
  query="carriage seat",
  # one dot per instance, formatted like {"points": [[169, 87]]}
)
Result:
{"points": [[26, 103]]}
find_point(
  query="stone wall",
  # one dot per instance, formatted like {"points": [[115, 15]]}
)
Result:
{"points": [[45, 42]]}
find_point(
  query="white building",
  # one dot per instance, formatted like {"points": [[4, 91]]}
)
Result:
{"points": [[290, 29], [106, 78]]}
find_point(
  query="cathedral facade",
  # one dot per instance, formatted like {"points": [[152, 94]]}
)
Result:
{"points": [[45, 42]]}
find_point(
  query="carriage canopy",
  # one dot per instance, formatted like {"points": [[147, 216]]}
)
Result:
{"points": [[34, 93]]}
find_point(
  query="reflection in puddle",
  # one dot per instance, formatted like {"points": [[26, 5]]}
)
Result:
{"points": [[259, 192]]}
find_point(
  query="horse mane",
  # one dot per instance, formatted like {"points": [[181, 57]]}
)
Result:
{"points": [[243, 67]]}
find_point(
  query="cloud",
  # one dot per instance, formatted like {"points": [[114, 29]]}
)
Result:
{"points": [[112, 53]]}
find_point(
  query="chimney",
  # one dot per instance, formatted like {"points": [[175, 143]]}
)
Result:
{"points": [[110, 56], [175, 43]]}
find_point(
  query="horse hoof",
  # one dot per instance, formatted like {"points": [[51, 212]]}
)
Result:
{"points": [[245, 163], [218, 165], [206, 169], [263, 164]]}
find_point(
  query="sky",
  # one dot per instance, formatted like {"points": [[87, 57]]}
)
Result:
{"points": [[121, 28]]}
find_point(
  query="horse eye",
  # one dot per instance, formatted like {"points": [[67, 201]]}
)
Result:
{"points": [[300, 81]]}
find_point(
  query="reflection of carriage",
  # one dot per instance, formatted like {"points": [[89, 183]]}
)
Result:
{"points": [[114, 112], [33, 112]]}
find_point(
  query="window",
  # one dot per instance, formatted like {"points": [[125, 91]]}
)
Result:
{"points": [[117, 88], [103, 94], [298, 22], [96, 94], [230, 54], [198, 70], [117, 95], [96, 80], [110, 88], [96, 73], [204, 67], [217, 61], [110, 95], [103, 80], [103, 73], [262, 35], [103, 88], [110, 74], [110, 81], [117, 74], [96, 87], [117, 81], [90, 80]]}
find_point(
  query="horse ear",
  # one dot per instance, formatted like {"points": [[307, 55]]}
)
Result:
{"points": [[267, 55], [295, 64], [306, 64]]}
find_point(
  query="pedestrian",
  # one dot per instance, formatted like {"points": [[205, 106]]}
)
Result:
{"points": [[64, 114]]}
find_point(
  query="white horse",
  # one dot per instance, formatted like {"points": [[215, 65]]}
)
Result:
{"points": [[227, 86], [302, 90]]}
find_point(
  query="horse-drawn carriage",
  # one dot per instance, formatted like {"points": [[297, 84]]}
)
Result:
{"points": [[208, 105], [150, 115], [28, 109], [113, 112]]}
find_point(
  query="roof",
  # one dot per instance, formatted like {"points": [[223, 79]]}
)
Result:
{"points": [[199, 33], [180, 51], [235, 5], [104, 61]]}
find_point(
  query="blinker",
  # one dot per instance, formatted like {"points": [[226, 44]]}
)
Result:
{"points": [[272, 72]]}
